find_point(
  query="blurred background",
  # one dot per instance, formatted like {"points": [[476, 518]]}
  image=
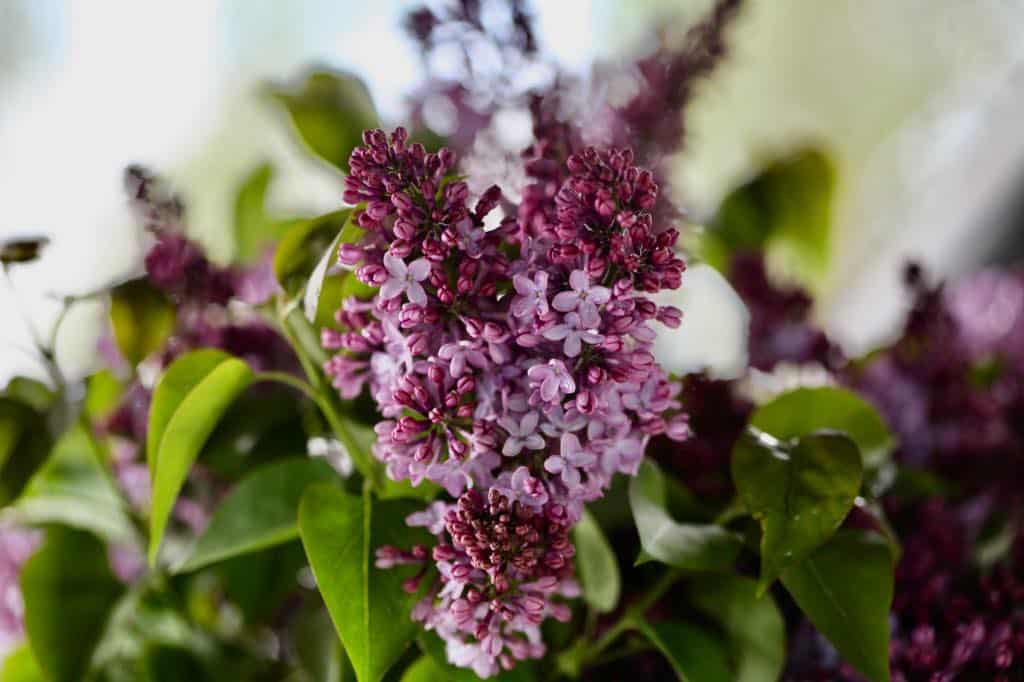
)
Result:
{"points": [[917, 103]]}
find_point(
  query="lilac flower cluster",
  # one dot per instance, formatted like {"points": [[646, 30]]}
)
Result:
{"points": [[952, 385], [511, 366], [16, 545]]}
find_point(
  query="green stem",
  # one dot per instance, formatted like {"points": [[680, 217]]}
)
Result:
{"points": [[317, 387], [289, 380], [630, 619], [100, 453]]}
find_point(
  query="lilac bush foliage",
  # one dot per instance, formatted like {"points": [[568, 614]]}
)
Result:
{"points": [[511, 366]]}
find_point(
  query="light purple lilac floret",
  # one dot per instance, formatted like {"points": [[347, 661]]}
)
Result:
{"points": [[512, 366]]}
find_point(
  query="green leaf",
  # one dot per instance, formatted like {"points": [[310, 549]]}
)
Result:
{"points": [[424, 669], [254, 228], [786, 209], [330, 111], [25, 443], [69, 593], [324, 290], [188, 401], [370, 610], [258, 583], [846, 588], [596, 565], [800, 491], [71, 489], [754, 627], [20, 666], [305, 245], [102, 394], [172, 664], [690, 546], [31, 392], [316, 646], [696, 654], [142, 318], [260, 427], [260, 512], [801, 412]]}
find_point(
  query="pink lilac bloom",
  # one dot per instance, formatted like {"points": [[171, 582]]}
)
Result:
{"points": [[512, 367], [583, 298], [16, 546]]}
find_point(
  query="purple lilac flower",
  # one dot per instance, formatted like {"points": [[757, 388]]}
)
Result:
{"points": [[533, 297], [16, 545], [534, 398], [500, 562], [583, 298], [405, 280], [952, 386]]}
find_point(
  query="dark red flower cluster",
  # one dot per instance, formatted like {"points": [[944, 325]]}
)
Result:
{"points": [[507, 539], [952, 385], [951, 619], [781, 329]]}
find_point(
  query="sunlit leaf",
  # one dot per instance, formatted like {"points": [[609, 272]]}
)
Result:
{"points": [[20, 666], [142, 318], [188, 402]]}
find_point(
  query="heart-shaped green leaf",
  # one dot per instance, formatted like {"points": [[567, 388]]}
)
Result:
{"points": [[696, 654], [690, 546], [260, 512], [845, 588], [188, 401], [805, 410], [142, 318], [755, 629], [69, 593], [596, 564], [370, 610], [800, 491]]}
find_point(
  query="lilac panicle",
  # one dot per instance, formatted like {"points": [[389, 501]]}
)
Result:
{"points": [[16, 545], [512, 366]]}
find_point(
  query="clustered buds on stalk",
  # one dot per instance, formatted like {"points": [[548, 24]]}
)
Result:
{"points": [[511, 365]]}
